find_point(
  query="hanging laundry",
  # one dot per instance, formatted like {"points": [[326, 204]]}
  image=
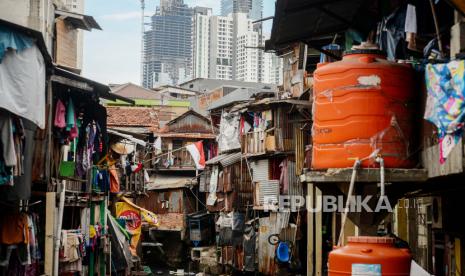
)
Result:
{"points": [[7, 140], [114, 180], [136, 167], [391, 34], [70, 118], [14, 229], [101, 180], [60, 110], [445, 105], [411, 26], [284, 178], [25, 139], [72, 252], [157, 145], [211, 199]]}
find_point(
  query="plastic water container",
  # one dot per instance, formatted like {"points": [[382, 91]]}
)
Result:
{"points": [[374, 256], [362, 107]]}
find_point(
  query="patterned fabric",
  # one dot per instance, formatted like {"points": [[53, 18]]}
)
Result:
{"points": [[445, 106]]}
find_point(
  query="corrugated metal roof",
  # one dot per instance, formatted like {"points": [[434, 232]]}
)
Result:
{"points": [[260, 170], [161, 182], [232, 158], [269, 192], [239, 95], [225, 159], [236, 96], [295, 187]]}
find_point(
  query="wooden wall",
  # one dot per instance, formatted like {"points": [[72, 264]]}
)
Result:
{"points": [[66, 41]]}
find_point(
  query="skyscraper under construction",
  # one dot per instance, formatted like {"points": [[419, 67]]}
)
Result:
{"points": [[167, 57]]}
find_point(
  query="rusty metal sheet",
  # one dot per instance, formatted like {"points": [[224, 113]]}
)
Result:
{"points": [[227, 179], [163, 202], [190, 122], [172, 222], [226, 159], [260, 170], [266, 251], [229, 201], [269, 190], [219, 204], [295, 187], [238, 258], [227, 254], [242, 185], [299, 138]]}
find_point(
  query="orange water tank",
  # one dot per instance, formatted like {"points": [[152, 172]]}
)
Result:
{"points": [[374, 256], [361, 108]]}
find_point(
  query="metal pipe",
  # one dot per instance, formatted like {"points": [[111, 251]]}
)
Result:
{"points": [[436, 26], [263, 19], [380, 160], [356, 166]]}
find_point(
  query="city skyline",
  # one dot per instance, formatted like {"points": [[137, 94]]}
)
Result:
{"points": [[120, 62], [184, 43]]}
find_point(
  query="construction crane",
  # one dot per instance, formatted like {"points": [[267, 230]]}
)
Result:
{"points": [[142, 31]]}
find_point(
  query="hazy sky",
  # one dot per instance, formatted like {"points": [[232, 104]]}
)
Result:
{"points": [[113, 54]]}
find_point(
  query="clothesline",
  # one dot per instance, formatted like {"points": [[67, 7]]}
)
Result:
{"points": [[166, 153]]}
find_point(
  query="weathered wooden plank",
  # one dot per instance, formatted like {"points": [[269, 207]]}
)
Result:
{"points": [[454, 163], [49, 229], [310, 236], [366, 175], [73, 83], [318, 238]]}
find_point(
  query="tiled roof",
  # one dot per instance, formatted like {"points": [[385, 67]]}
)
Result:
{"points": [[133, 116]]}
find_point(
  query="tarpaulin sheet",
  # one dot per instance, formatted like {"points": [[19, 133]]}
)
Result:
{"points": [[22, 84], [121, 254], [228, 139]]}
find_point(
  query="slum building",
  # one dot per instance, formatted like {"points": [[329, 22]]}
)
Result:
{"points": [[172, 190], [260, 142], [60, 163]]}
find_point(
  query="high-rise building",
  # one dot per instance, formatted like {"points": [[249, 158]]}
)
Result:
{"points": [[201, 47], [233, 44], [272, 68], [221, 48], [248, 58], [168, 45], [253, 8]]}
